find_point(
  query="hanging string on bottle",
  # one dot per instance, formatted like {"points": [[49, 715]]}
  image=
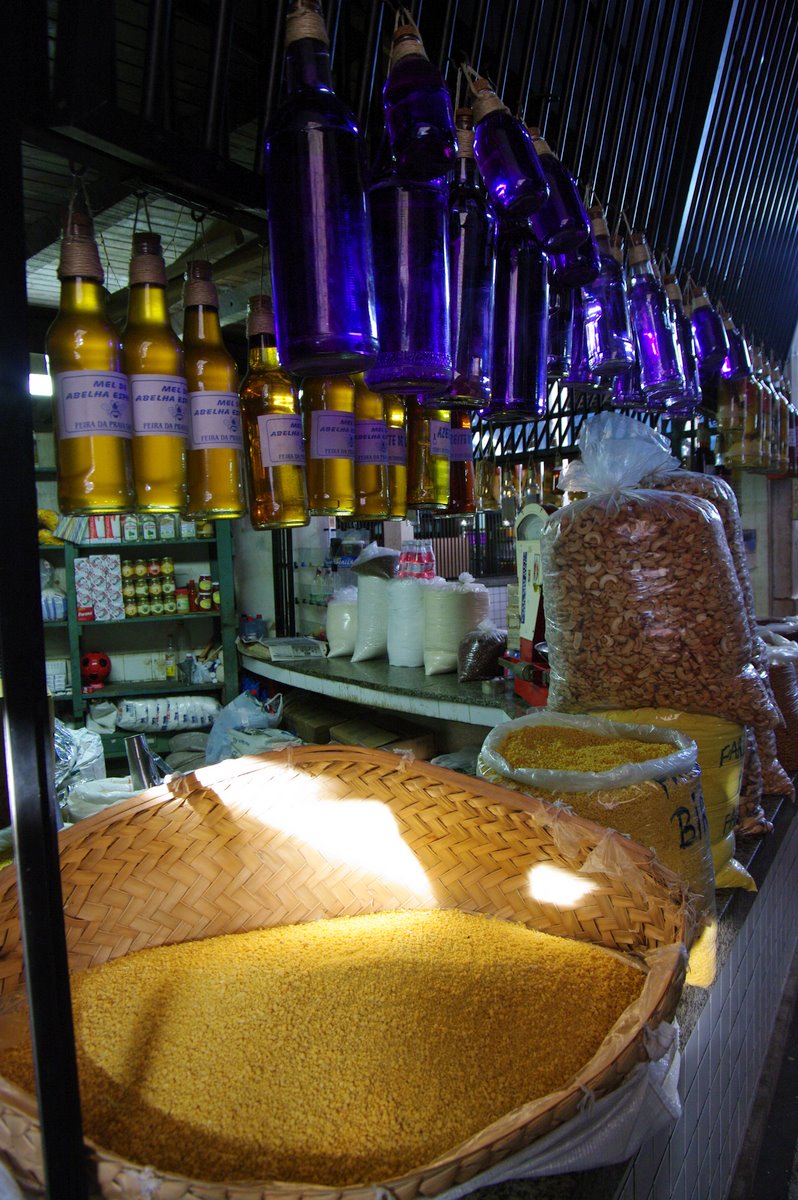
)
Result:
{"points": [[199, 220], [141, 202]]}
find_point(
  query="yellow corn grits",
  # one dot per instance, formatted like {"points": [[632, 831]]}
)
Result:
{"points": [[556, 748], [334, 1052]]}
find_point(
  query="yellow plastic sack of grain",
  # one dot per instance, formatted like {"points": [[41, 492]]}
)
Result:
{"points": [[721, 750], [637, 778]]}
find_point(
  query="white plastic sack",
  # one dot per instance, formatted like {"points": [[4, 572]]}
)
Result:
{"points": [[450, 611], [243, 713], [372, 618], [406, 622], [606, 1131], [166, 714], [92, 796], [342, 623]]}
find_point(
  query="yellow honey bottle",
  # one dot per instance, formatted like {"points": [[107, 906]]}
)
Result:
{"points": [[93, 423], [152, 357], [462, 498], [428, 452], [275, 447], [397, 455], [328, 412], [372, 498], [215, 487]]}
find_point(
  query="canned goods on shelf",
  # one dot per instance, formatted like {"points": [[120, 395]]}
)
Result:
{"points": [[167, 566], [169, 604], [168, 586], [156, 607], [131, 609], [140, 568], [144, 608], [127, 569], [205, 584], [155, 587], [154, 567]]}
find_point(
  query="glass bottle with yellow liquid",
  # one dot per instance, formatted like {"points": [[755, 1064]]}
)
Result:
{"points": [[215, 486], [766, 422], [396, 420], [784, 418], [731, 399], [429, 435], [153, 359], [372, 498], [93, 422], [278, 494], [752, 433], [328, 412], [461, 473]]}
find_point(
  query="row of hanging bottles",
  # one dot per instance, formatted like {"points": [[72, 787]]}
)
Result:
{"points": [[462, 274]]}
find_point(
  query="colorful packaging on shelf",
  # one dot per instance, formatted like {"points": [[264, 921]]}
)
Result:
{"points": [[98, 586]]}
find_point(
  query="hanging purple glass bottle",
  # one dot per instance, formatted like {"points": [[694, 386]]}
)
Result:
{"points": [[559, 330], [505, 156], [711, 342], [685, 343], [409, 224], [519, 326], [649, 316], [579, 266], [418, 109], [579, 374], [562, 223], [737, 363], [626, 391], [472, 271], [610, 348], [321, 259]]}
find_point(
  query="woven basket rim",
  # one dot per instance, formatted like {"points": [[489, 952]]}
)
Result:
{"points": [[661, 989]]}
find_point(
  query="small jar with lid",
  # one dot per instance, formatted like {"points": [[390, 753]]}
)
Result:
{"points": [[131, 608], [168, 585], [154, 567], [169, 604], [204, 529], [156, 606], [128, 590], [216, 595], [127, 569], [167, 566], [140, 589], [204, 602], [144, 607], [140, 568], [155, 587], [182, 600], [205, 584]]}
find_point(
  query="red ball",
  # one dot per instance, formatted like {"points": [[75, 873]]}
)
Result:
{"points": [[95, 667]]}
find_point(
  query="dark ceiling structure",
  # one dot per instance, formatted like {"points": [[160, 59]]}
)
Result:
{"points": [[681, 115]]}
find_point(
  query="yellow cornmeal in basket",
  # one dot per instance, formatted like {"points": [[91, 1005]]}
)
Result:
{"points": [[333, 1052], [555, 748]]}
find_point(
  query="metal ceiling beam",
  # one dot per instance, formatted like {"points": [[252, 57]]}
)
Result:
{"points": [[708, 123]]}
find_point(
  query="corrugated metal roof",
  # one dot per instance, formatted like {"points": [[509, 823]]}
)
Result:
{"points": [[680, 114]]}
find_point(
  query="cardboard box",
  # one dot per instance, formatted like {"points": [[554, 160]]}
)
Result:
{"points": [[311, 719], [98, 587], [360, 732]]}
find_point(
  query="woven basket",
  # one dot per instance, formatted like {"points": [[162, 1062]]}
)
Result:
{"points": [[212, 853]]}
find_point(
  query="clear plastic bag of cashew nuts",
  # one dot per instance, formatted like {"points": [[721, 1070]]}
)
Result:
{"points": [[643, 605]]}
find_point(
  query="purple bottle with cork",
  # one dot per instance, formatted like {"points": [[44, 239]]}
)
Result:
{"points": [[711, 342], [660, 367], [321, 259], [419, 120], [608, 337], [505, 155], [562, 224]]}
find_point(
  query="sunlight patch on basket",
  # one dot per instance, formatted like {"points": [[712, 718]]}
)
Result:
{"points": [[554, 885]]}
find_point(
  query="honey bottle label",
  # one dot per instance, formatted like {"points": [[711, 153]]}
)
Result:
{"points": [[462, 445], [281, 441], [332, 435], [215, 421], [440, 439], [160, 405], [371, 443], [93, 404]]}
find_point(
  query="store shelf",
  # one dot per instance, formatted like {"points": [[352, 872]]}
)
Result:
{"points": [[152, 687], [129, 622], [56, 624], [45, 548], [150, 544]]}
